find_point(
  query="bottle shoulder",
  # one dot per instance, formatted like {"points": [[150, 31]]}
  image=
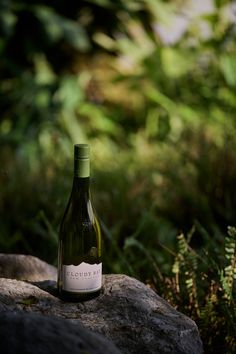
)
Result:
{"points": [[80, 215]]}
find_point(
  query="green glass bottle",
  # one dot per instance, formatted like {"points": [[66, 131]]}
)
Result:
{"points": [[79, 254]]}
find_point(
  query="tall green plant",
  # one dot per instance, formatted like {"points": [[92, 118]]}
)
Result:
{"points": [[211, 288]]}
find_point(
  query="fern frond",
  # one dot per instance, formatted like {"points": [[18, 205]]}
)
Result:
{"points": [[228, 275]]}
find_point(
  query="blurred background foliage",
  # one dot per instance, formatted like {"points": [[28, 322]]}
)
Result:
{"points": [[151, 85]]}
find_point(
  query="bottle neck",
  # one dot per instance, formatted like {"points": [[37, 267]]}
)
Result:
{"points": [[82, 168], [81, 177], [81, 187]]}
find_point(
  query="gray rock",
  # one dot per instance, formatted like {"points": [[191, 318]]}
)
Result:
{"points": [[32, 333], [21, 267], [127, 312]]}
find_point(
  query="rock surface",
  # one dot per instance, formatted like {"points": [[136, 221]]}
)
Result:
{"points": [[127, 312], [21, 267], [36, 334]]}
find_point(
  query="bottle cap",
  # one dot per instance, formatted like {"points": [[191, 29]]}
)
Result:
{"points": [[81, 151]]}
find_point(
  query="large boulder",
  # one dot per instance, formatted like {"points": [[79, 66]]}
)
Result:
{"points": [[32, 333], [21, 267], [127, 312]]}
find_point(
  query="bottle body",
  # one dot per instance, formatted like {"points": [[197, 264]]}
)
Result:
{"points": [[79, 254]]}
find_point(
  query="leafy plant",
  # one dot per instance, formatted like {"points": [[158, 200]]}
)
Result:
{"points": [[214, 309]]}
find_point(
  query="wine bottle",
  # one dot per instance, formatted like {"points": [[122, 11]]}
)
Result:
{"points": [[79, 254]]}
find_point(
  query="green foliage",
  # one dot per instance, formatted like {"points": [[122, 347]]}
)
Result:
{"points": [[201, 285], [228, 275], [213, 309], [159, 112]]}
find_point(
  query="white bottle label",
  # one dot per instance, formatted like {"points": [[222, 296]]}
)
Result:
{"points": [[82, 278]]}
